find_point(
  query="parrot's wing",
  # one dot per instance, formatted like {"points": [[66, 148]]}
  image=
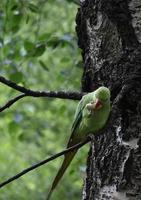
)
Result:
{"points": [[77, 120], [77, 117], [69, 156]]}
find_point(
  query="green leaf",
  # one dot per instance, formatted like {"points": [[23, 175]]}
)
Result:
{"points": [[33, 8], [39, 50], [27, 19], [16, 77], [14, 7], [13, 127], [65, 59], [34, 49], [64, 40], [43, 65], [14, 21], [53, 42], [14, 130], [44, 37], [29, 46]]}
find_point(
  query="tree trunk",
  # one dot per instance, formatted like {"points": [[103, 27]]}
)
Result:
{"points": [[109, 34]]}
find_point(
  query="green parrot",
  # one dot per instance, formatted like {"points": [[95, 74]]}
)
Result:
{"points": [[91, 115]]}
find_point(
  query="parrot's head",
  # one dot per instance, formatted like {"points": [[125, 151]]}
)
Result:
{"points": [[101, 97], [102, 93]]}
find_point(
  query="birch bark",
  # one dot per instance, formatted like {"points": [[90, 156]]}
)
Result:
{"points": [[109, 34]]}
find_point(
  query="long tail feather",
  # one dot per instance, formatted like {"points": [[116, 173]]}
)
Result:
{"points": [[67, 160]]}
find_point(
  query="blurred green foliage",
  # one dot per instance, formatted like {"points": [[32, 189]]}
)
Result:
{"points": [[38, 49]]}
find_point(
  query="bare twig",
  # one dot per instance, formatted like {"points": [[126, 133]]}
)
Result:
{"points": [[28, 92], [12, 101], [77, 146]]}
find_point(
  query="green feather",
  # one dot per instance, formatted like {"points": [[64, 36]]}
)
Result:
{"points": [[87, 119]]}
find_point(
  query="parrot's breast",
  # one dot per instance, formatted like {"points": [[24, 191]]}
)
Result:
{"points": [[93, 123]]}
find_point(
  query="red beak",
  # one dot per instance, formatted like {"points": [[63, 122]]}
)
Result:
{"points": [[98, 104]]}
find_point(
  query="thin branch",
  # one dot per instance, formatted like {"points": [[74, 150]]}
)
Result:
{"points": [[12, 101], [28, 92], [77, 146]]}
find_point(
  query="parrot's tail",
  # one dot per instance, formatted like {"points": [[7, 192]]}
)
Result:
{"points": [[67, 160]]}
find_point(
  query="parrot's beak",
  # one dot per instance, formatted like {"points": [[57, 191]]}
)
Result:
{"points": [[94, 105], [97, 104]]}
